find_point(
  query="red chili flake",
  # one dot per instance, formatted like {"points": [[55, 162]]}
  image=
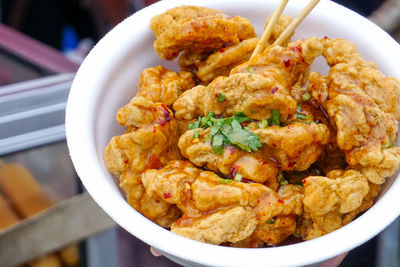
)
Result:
{"points": [[233, 171], [222, 50], [279, 166], [280, 201], [216, 94], [286, 62], [326, 37], [275, 89], [165, 115], [167, 195], [232, 150], [283, 223], [154, 129], [303, 181], [294, 48], [126, 161], [154, 109], [207, 41], [154, 163], [291, 164]]}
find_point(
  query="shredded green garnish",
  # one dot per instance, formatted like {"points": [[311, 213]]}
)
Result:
{"points": [[391, 145], [271, 221], [196, 134], [262, 124], [275, 117], [281, 180], [238, 177], [306, 96], [228, 131], [220, 97], [225, 181], [251, 71]]}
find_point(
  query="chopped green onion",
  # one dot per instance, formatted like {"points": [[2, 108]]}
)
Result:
{"points": [[301, 116], [225, 181], [306, 96], [251, 71], [281, 180], [196, 134], [262, 124], [220, 97], [275, 117], [271, 221], [238, 177], [391, 145]]}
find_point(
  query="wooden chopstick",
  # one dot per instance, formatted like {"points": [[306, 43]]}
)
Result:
{"points": [[268, 30], [292, 26]]}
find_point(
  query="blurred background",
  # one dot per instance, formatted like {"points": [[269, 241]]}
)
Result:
{"points": [[42, 43]]}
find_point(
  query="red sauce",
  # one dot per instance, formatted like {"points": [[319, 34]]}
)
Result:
{"points": [[286, 62], [275, 89], [154, 163], [234, 170], [167, 195]]}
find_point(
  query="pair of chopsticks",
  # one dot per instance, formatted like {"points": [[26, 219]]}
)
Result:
{"points": [[287, 32]]}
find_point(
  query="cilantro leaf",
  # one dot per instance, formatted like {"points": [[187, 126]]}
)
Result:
{"points": [[220, 97], [275, 117]]}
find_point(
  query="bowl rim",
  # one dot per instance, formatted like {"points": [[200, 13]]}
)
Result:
{"points": [[82, 150]]}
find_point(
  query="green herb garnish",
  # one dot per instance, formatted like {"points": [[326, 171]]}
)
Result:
{"points": [[300, 114], [220, 97], [281, 180], [271, 221], [251, 71], [306, 96], [225, 181], [275, 117], [196, 134], [228, 131], [238, 177], [262, 124], [391, 145]]}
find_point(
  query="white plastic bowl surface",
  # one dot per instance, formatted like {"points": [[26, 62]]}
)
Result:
{"points": [[108, 79]]}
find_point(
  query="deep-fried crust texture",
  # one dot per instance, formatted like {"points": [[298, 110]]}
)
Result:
{"points": [[210, 203], [159, 84], [197, 29], [328, 200], [150, 146], [293, 147], [364, 106]]}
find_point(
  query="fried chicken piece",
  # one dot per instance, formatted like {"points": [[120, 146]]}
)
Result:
{"points": [[363, 105], [224, 210], [328, 200], [151, 146], [285, 64], [293, 147], [198, 29], [190, 61], [256, 91], [384, 90], [220, 63], [159, 84], [224, 60], [271, 233], [254, 95]]}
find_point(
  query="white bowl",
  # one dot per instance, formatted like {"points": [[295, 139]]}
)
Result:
{"points": [[108, 79]]}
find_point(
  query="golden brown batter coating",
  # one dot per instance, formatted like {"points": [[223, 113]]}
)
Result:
{"points": [[293, 147], [254, 95], [366, 129], [224, 60], [151, 146], [159, 84], [216, 205], [197, 29]]}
